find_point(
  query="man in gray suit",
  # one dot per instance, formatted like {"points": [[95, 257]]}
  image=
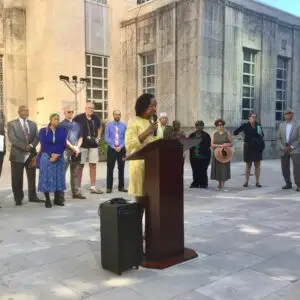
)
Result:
{"points": [[23, 136], [289, 143]]}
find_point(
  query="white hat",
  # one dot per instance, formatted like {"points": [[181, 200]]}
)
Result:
{"points": [[163, 115]]}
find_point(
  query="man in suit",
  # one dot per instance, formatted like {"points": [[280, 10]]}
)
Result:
{"points": [[23, 136], [289, 143]]}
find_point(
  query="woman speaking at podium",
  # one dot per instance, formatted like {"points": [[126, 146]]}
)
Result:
{"points": [[141, 131]]}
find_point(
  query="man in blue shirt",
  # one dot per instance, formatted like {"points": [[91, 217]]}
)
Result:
{"points": [[115, 138], [71, 154]]}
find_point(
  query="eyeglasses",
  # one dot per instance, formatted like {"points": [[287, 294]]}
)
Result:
{"points": [[70, 112], [220, 124]]}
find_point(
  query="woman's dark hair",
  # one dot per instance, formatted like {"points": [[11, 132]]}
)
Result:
{"points": [[142, 104], [219, 121]]}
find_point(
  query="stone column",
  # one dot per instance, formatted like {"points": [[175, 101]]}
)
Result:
{"points": [[268, 75], [233, 67], [15, 66], [296, 73]]}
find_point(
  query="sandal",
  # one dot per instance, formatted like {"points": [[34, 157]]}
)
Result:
{"points": [[96, 191], [246, 184]]}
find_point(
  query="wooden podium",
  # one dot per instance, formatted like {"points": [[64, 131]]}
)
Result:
{"points": [[164, 232]]}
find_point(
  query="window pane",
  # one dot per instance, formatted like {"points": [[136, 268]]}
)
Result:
{"points": [[252, 104], [278, 95], [150, 59], [105, 95], [88, 71], [278, 105], [253, 69], [105, 62], [97, 72], [105, 84], [150, 70], [246, 79], [279, 84], [280, 74], [98, 105], [97, 61], [97, 83], [245, 114], [279, 116], [88, 60], [246, 91], [150, 81], [97, 95], [246, 55], [88, 93], [246, 68], [105, 73], [246, 103]]}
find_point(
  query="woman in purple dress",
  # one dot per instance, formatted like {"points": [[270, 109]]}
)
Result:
{"points": [[53, 141]]}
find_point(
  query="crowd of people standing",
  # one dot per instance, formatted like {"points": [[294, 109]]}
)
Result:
{"points": [[74, 142]]}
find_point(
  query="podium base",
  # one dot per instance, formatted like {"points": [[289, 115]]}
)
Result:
{"points": [[169, 262]]}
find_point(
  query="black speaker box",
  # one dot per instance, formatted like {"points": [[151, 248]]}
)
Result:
{"points": [[121, 235]]}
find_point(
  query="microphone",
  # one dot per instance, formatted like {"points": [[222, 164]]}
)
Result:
{"points": [[154, 119]]}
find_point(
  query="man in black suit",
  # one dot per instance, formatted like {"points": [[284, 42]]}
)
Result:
{"points": [[23, 136]]}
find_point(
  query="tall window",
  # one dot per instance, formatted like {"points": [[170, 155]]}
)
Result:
{"points": [[97, 91], [142, 1], [281, 77], [149, 73], [100, 1], [248, 83]]}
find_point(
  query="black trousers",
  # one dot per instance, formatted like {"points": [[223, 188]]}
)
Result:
{"points": [[112, 157], [17, 172], [199, 168], [1, 161]]}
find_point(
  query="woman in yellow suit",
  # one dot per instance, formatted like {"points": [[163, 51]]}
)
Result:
{"points": [[139, 133]]}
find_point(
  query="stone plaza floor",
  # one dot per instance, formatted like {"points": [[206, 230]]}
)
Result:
{"points": [[248, 241]]}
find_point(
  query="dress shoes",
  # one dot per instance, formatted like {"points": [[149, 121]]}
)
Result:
{"points": [[78, 196], [108, 191], [18, 203], [36, 200], [298, 189], [123, 190]]}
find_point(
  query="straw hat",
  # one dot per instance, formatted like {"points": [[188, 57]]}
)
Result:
{"points": [[223, 155]]}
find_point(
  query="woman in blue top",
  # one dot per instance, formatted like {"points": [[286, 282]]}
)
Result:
{"points": [[53, 141]]}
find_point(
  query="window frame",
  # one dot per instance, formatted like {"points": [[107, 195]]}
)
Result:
{"points": [[250, 85], [148, 85], [284, 88], [100, 90], [141, 2]]}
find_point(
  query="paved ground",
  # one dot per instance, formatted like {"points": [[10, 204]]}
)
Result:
{"points": [[248, 242]]}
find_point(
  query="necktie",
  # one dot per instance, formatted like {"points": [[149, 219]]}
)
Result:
{"points": [[25, 128], [117, 137]]}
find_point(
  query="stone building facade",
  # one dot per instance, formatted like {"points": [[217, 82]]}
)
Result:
{"points": [[209, 59], [42, 39]]}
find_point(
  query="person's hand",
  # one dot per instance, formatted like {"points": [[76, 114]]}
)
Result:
{"points": [[152, 127], [118, 149], [286, 149], [29, 148], [76, 150], [54, 157]]}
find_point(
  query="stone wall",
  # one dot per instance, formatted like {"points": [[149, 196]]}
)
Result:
{"points": [[199, 46], [14, 60]]}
